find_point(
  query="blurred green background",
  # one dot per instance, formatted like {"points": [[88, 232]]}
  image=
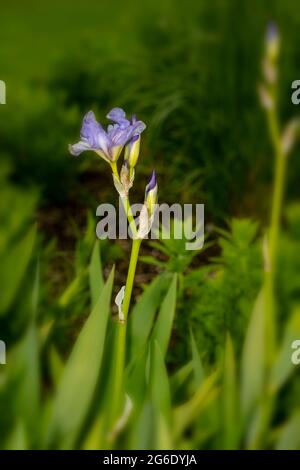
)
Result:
{"points": [[189, 70]]}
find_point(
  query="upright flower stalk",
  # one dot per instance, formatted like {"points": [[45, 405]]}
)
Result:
{"points": [[123, 134], [282, 143]]}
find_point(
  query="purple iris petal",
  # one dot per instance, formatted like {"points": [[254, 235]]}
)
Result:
{"points": [[151, 183], [94, 133], [119, 136], [78, 148], [118, 115], [138, 127]]}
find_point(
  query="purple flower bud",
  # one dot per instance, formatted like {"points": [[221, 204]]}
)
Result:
{"points": [[134, 138], [272, 42], [151, 183], [149, 207], [151, 194], [272, 32]]}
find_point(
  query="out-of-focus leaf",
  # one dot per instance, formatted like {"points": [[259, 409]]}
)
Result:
{"points": [[136, 379], [180, 377], [152, 261], [159, 382], [95, 434], [95, 274], [289, 437], [35, 292], [143, 432], [253, 363], [163, 326], [142, 317], [283, 366], [185, 414], [27, 368], [17, 439], [13, 267], [72, 290], [56, 365], [229, 397], [197, 363], [164, 438], [79, 379]]}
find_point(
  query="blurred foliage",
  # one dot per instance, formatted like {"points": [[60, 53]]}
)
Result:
{"points": [[17, 238], [219, 295], [190, 72], [211, 401]]}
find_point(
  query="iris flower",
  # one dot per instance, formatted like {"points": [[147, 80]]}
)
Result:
{"points": [[109, 143]]}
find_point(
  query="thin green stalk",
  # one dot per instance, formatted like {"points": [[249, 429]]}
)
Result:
{"points": [[272, 240], [120, 351], [130, 276], [130, 218], [278, 190], [277, 200], [117, 393], [114, 168], [270, 271]]}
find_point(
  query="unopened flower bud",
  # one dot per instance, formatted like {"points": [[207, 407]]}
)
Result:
{"points": [[151, 193], [132, 150], [272, 42], [148, 209]]}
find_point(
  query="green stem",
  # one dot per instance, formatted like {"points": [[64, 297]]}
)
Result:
{"points": [[114, 168], [130, 276], [278, 190], [267, 405], [130, 218], [277, 199], [117, 395], [120, 352]]}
